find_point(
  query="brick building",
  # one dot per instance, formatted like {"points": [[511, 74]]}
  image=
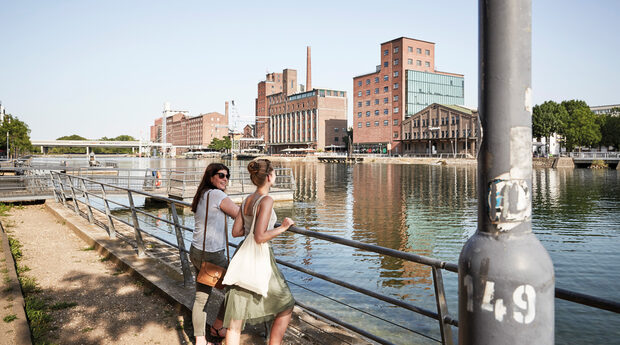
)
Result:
{"points": [[291, 116], [191, 132], [404, 83], [441, 129]]}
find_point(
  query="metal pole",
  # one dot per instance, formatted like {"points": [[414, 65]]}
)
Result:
{"points": [[75, 204], [136, 227], [187, 273], [506, 279], [90, 210], [111, 229]]}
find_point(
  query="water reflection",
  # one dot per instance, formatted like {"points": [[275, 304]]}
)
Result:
{"points": [[432, 210]]}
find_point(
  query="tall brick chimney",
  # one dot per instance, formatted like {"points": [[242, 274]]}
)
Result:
{"points": [[308, 71], [226, 110]]}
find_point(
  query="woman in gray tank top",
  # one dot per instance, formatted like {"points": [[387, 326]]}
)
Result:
{"points": [[243, 305]]}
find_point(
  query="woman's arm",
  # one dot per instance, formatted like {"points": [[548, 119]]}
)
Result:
{"points": [[237, 229], [229, 207], [263, 214]]}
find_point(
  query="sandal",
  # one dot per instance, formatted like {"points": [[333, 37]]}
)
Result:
{"points": [[215, 332]]}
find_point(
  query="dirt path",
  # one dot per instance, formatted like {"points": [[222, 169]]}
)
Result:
{"points": [[88, 299]]}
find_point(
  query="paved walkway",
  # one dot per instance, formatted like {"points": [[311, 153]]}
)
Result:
{"points": [[109, 306]]}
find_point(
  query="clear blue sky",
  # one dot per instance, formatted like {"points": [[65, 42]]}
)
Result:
{"points": [[105, 68]]}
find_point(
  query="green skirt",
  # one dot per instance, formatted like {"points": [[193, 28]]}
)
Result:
{"points": [[242, 304]]}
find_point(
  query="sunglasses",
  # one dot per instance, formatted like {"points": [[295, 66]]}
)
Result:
{"points": [[222, 175]]}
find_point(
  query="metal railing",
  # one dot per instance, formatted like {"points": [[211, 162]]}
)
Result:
{"points": [[73, 191], [594, 155]]}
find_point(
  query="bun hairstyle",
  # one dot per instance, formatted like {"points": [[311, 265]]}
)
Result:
{"points": [[259, 170]]}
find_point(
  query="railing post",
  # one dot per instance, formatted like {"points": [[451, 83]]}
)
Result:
{"points": [[111, 229], [56, 195], [442, 307], [187, 273], [506, 279], [91, 219], [75, 204], [62, 190], [136, 227]]}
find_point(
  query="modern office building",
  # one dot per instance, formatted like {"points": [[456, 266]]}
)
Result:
{"points": [[298, 118], [187, 132], [441, 129], [403, 84], [613, 109]]}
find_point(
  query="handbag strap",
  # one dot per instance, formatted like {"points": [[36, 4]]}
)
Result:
{"points": [[254, 210], [204, 234]]}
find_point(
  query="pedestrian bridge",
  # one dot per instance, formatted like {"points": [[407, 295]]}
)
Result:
{"points": [[611, 158]]}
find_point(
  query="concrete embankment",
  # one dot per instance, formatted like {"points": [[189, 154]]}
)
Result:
{"points": [[386, 160]]}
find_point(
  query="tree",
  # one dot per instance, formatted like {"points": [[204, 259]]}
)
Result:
{"points": [[610, 129], [582, 128], [219, 144], [348, 141], [547, 119], [19, 135]]}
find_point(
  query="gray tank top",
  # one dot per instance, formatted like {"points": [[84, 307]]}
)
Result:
{"points": [[247, 220]]}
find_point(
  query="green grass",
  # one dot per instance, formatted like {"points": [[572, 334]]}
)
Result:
{"points": [[22, 269], [10, 318], [40, 319], [4, 270], [29, 285], [86, 330], [16, 250], [63, 305], [104, 259], [88, 248], [4, 209]]}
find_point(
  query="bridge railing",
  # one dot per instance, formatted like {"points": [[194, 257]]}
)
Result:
{"points": [[74, 193], [595, 155]]}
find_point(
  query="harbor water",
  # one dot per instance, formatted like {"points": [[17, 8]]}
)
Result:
{"points": [[431, 210]]}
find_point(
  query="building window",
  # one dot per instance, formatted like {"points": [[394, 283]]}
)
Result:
{"points": [[367, 81], [427, 64], [385, 64], [423, 123], [367, 124], [418, 50], [395, 85], [410, 49], [385, 100], [376, 79], [395, 98], [427, 52], [396, 110], [385, 89], [367, 103], [376, 123], [418, 62], [395, 122], [335, 138], [395, 74], [359, 94], [367, 113], [410, 61], [336, 129], [386, 52], [395, 134], [386, 111], [376, 101], [359, 114], [377, 112], [396, 50], [367, 92], [385, 122], [359, 125], [377, 90], [386, 78], [359, 83], [359, 104], [395, 62]]}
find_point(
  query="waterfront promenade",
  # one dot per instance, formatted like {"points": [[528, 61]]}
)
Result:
{"points": [[97, 291]]}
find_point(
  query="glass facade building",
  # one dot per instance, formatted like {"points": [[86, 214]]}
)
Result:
{"points": [[424, 89]]}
